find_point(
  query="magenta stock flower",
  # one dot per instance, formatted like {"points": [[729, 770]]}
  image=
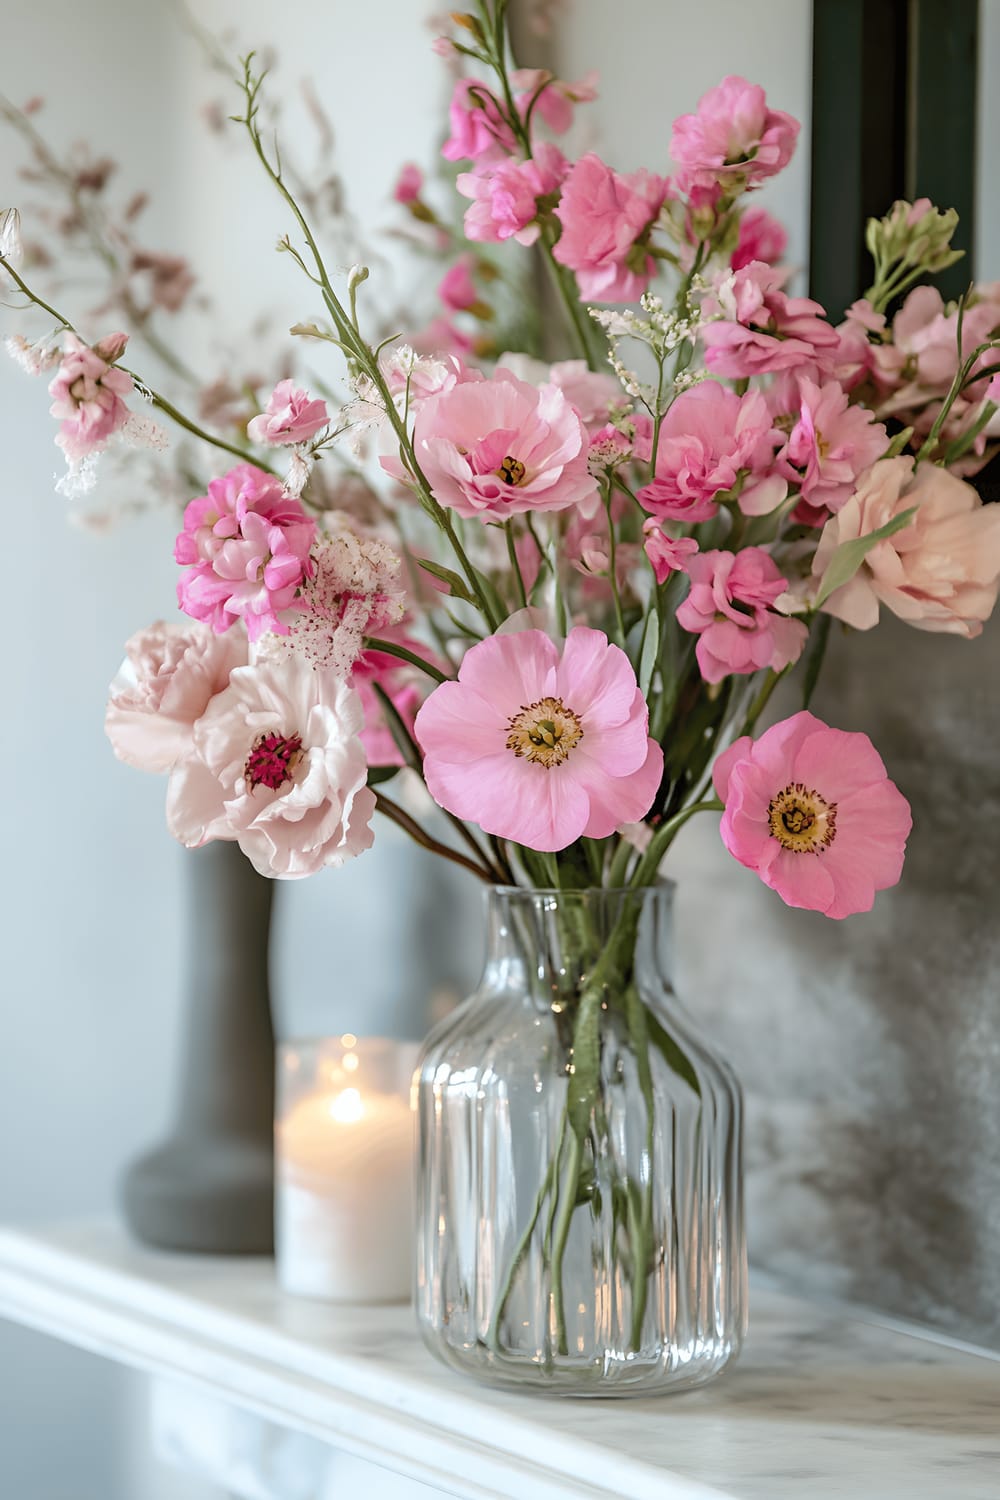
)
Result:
{"points": [[479, 131], [731, 609], [494, 448], [539, 746], [811, 810], [708, 439], [506, 195], [761, 237], [605, 221], [88, 394], [666, 554], [245, 547], [291, 416], [830, 445], [733, 139], [762, 330]]}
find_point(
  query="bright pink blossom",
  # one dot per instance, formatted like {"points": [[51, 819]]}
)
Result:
{"points": [[456, 288], [88, 394], [245, 548], [606, 219], [830, 445], [811, 810], [761, 329], [494, 448], [733, 139], [506, 195], [731, 609], [291, 416], [408, 183], [553, 99], [708, 439], [667, 554], [761, 237], [539, 746], [479, 131]]}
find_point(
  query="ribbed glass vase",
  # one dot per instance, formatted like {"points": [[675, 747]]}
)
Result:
{"points": [[580, 1202]]}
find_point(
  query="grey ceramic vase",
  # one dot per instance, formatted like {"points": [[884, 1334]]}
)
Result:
{"points": [[209, 1187]]}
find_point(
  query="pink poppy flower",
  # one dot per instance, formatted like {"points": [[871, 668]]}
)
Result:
{"points": [[291, 416], [761, 237], [408, 183], [539, 746], [761, 330], [731, 609], [939, 573], [494, 448], [733, 139], [606, 219], [708, 439], [278, 767], [830, 445], [506, 196], [811, 810], [245, 551], [169, 676], [667, 554], [88, 394], [479, 131]]}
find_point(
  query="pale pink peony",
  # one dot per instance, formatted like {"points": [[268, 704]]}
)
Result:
{"points": [[408, 183], [761, 330], [761, 237], [278, 766], [245, 547], [291, 416], [830, 445], [169, 675], [606, 219], [733, 139], [353, 590], [506, 196], [709, 438], [939, 573], [456, 288], [731, 609], [88, 394], [666, 554], [553, 99], [811, 810], [479, 131], [541, 747], [494, 448]]}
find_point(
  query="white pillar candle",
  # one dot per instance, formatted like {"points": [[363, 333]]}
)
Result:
{"points": [[344, 1171]]}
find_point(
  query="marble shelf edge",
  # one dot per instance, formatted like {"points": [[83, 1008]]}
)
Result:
{"points": [[76, 1293]]}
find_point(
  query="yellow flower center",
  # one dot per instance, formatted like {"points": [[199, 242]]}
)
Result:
{"points": [[801, 820], [511, 471], [544, 732]]}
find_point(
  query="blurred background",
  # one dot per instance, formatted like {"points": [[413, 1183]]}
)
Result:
{"points": [[870, 1050]]}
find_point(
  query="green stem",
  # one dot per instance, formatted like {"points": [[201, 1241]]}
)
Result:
{"points": [[402, 819], [568, 1184], [515, 566], [390, 648]]}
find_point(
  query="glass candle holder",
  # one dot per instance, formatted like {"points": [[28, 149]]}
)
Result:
{"points": [[344, 1168]]}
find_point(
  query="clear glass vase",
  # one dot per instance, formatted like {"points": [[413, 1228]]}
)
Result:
{"points": [[579, 1200]]}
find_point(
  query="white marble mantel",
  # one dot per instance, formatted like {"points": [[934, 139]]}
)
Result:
{"points": [[824, 1403]]}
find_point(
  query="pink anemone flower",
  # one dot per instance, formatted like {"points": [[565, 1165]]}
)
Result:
{"points": [[539, 746], [811, 810]]}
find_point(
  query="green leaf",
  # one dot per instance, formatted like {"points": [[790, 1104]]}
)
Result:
{"points": [[673, 1055], [584, 1080], [849, 556], [650, 652], [378, 774], [457, 586], [815, 652]]}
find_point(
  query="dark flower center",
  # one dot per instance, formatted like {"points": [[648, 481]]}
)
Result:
{"points": [[544, 732], [511, 471], [801, 820], [272, 761]]}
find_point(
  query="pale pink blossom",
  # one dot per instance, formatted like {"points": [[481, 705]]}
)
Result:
{"points": [[592, 393], [457, 289], [495, 448], [412, 377], [169, 676], [88, 394], [33, 358], [278, 766], [409, 183], [553, 99], [733, 139], [811, 810], [541, 746], [479, 131], [830, 445], [169, 278], [245, 550], [760, 329], [710, 438], [353, 590], [606, 219], [761, 237], [730, 607], [291, 416], [939, 573], [666, 554], [507, 195], [441, 336]]}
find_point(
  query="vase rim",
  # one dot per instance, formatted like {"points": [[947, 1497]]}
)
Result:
{"points": [[662, 885]]}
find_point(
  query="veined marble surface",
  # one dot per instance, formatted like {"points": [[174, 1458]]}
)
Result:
{"points": [[823, 1403]]}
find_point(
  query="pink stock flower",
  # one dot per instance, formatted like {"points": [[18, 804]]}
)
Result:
{"points": [[830, 445], [353, 590], [245, 547], [457, 289], [731, 609], [87, 395], [761, 330], [554, 99], [506, 196], [539, 746], [169, 676], [811, 810], [278, 766], [761, 237], [708, 439], [291, 416], [409, 183], [939, 573], [479, 131], [666, 554], [733, 139], [494, 448], [606, 219]]}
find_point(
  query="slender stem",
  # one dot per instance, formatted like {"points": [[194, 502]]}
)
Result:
{"points": [[515, 566], [613, 568], [568, 1183], [391, 648], [645, 871], [396, 815]]}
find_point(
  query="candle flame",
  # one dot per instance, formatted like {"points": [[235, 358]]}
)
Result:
{"points": [[346, 1107]]}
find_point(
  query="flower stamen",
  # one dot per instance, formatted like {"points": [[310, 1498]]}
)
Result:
{"points": [[801, 820], [272, 761], [511, 471], [544, 732]]}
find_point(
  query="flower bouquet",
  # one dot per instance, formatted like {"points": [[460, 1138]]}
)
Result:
{"points": [[546, 638]]}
